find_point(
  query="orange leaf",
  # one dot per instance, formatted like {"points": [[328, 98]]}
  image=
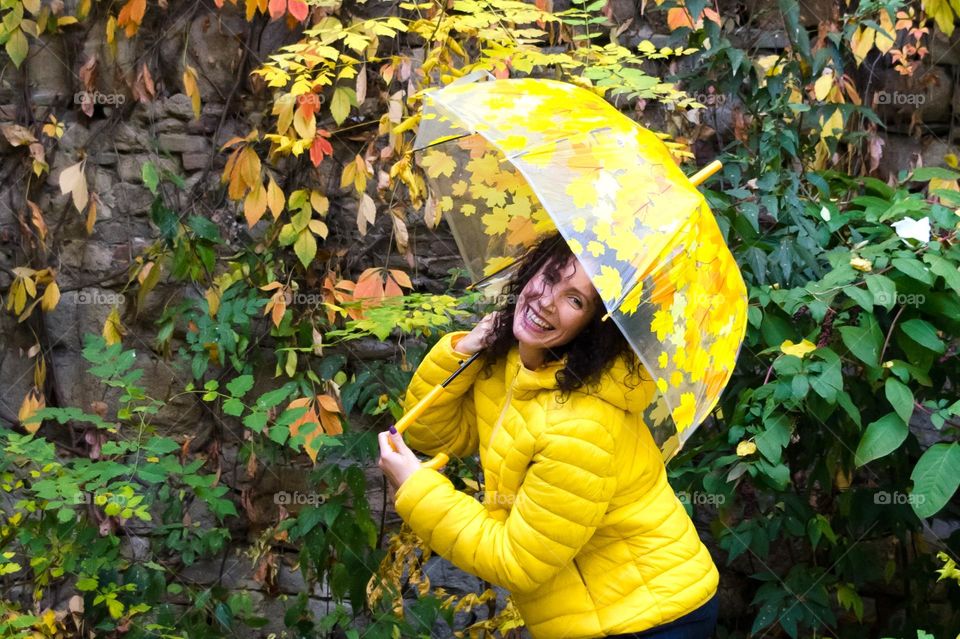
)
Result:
{"points": [[310, 417], [279, 308], [402, 278], [255, 205], [33, 402], [679, 17], [192, 89]]}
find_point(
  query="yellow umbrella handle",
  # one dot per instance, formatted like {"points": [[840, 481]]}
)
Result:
{"points": [[441, 459], [701, 176]]}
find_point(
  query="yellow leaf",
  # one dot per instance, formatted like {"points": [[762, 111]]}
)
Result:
{"points": [[255, 205], [283, 108], [319, 203], [74, 182], [191, 89], [824, 83], [942, 14], [745, 448], [305, 122], [275, 199], [50, 297], [249, 165], [113, 330], [861, 43], [861, 264], [797, 350], [885, 42]]}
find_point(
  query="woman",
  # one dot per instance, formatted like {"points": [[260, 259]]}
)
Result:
{"points": [[578, 521]]}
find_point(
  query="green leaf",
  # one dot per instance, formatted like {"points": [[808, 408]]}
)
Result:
{"points": [[86, 584], [340, 104], [239, 386], [927, 173], [17, 47], [233, 407], [881, 438], [771, 441], [945, 269], [305, 247], [279, 434], [860, 296], [204, 228], [913, 268], [150, 177], [883, 289], [255, 421], [935, 478], [923, 333], [863, 341], [900, 397]]}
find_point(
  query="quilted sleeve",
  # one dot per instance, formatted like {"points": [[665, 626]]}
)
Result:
{"points": [[450, 424], [562, 500]]}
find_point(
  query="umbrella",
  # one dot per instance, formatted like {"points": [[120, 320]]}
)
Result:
{"points": [[508, 161]]}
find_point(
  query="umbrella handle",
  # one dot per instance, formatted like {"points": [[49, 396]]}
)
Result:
{"points": [[440, 459]]}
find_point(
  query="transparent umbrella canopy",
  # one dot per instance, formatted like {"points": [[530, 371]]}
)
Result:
{"points": [[508, 161]]}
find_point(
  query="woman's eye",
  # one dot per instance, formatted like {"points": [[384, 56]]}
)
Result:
{"points": [[576, 302]]}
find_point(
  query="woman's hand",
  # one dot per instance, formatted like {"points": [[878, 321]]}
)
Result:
{"points": [[475, 340], [396, 465]]}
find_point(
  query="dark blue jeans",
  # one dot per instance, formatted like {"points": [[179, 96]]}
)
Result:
{"points": [[698, 624]]}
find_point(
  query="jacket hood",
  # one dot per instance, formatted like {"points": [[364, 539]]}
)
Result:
{"points": [[630, 393]]}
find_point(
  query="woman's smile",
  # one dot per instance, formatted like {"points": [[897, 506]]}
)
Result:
{"points": [[554, 306]]}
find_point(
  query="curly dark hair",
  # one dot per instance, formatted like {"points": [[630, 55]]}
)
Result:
{"points": [[589, 354]]}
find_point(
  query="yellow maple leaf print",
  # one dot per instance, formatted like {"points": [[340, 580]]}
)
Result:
{"points": [[608, 283], [438, 163], [684, 413]]}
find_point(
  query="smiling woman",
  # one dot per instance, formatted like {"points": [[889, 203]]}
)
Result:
{"points": [[578, 521]]}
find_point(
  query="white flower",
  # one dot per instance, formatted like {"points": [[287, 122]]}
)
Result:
{"points": [[825, 214], [910, 229]]}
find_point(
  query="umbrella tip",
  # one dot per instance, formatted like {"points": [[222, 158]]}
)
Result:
{"points": [[701, 176]]}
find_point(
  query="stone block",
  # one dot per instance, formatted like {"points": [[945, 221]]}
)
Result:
{"points": [[131, 198], [183, 143], [130, 166], [48, 70], [898, 97]]}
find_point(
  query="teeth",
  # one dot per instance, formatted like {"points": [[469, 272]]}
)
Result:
{"points": [[537, 321]]}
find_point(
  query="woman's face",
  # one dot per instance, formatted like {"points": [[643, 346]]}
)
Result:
{"points": [[552, 309]]}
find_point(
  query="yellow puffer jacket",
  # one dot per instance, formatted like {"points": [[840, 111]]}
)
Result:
{"points": [[578, 521]]}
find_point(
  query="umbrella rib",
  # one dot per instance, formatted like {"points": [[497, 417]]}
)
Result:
{"points": [[443, 140]]}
